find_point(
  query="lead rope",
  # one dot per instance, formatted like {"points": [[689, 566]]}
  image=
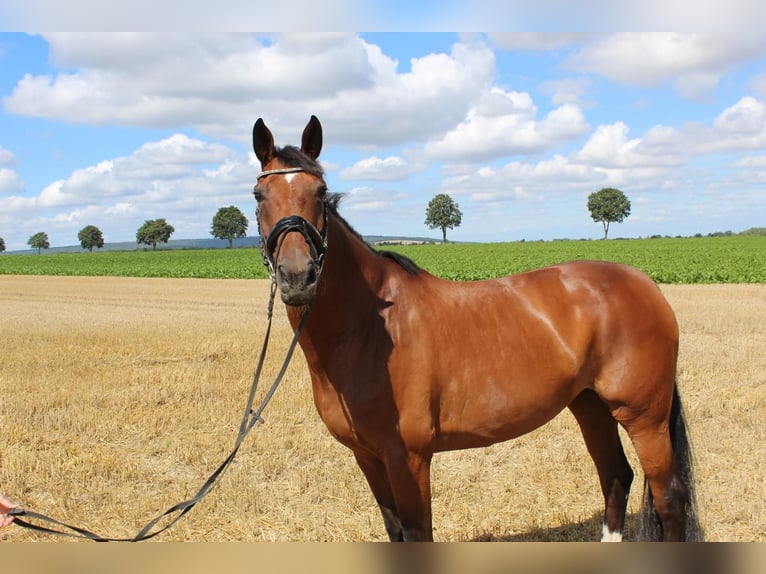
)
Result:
{"points": [[249, 418]]}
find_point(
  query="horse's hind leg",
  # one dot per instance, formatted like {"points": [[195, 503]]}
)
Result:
{"points": [[669, 492], [599, 429]]}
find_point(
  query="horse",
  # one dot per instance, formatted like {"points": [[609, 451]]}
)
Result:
{"points": [[404, 364]]}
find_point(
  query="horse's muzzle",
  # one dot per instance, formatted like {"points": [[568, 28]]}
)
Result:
{"points": [[296, 272], [297, 285]]}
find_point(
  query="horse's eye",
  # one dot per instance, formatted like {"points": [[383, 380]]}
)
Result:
{"points": [[257, 194], [322, 191]]}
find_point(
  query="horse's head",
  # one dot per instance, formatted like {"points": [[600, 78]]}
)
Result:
{"points": [[292, 220]]}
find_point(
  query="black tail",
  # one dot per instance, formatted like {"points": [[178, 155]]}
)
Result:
{"points": [[649, 526]]}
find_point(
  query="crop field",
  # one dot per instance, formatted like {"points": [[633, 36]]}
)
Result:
{"points": [[119, 396], [738, 259]]}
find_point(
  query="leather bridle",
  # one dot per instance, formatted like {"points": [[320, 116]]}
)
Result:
{"points": [[272, 243]]}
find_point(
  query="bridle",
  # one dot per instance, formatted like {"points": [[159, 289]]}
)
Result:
{"points": [[272, 243]]}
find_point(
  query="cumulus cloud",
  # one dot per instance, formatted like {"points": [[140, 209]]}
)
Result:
{"points": [[567, 90], [609, 147], [660, 159], [391, 168], [740, 127], [181, 178], [10, 182], [367, 200], [505, 123], [174, 165], [537, 40], [692, 62], [220, 83]]}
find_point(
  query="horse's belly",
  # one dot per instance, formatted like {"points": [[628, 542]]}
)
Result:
{"points": [[494, 412]]}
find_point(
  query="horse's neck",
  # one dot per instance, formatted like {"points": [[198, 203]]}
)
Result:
{"points": [[349, 287]]}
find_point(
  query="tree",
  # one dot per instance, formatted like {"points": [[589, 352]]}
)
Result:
{"points": [[2, 244], [39, 241], [154, 231], [229, 223], [608, 205], [90, 236], [443, 213]]}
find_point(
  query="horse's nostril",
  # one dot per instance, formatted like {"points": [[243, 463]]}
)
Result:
{"points": [[284, 276], [297, 279], [311, 275]]}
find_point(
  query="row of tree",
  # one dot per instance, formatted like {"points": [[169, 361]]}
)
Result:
{"points": [[606, 206], [228, 223]]}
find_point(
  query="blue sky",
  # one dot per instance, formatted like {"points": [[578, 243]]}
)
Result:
{"points": [[110, 129]]}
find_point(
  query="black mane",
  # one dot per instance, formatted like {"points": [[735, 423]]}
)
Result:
{"points": [[331, 203]]}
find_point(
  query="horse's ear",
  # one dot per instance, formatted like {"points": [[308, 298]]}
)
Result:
{"points": [[311, 144], [263, 142]]}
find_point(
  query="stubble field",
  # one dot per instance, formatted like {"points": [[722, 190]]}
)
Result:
{"points": [[119, 396]]}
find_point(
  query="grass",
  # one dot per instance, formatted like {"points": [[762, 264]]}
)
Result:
{"points": [[119, 396], [737, 259]]}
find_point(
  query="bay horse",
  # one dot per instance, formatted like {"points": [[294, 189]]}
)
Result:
{"points": [[404, 364]]}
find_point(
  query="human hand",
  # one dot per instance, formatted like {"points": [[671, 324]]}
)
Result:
{"points": [[5, 507]]}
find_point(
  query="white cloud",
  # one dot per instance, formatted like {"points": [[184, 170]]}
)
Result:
{"points": [[609, 147], [566, 90], [693, 62], [181, 178], [174, 165], [746, 117], [121, 208], [220, 83], [537, 40], [504, 123], [234, 15], [660, 163], [740, 127], [392, 168], [752, 161], [10, 182]]}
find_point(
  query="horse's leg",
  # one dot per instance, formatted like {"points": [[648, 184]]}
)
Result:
{"points": [[377, 477], [410, 476], [670, 495], [599, 429], [646, 417]]}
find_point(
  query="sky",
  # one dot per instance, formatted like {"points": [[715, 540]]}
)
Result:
{"points": [[111, 128]]}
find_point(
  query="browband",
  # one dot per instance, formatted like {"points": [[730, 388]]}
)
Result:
{"points": [[281, 170]]}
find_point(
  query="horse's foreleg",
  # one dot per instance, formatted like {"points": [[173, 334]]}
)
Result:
{"points": [[409, 474], [599, 429], [375, 472]]}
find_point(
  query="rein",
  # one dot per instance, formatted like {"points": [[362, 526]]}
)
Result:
{"points": [[249, 418]]}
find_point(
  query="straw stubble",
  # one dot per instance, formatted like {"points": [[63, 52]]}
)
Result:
{"points": [[119, 396]]}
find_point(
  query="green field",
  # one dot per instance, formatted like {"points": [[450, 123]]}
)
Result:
{"points": [[737, 259]]}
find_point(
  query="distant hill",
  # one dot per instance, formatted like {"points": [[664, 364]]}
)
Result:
{"points": [[206, 243]]}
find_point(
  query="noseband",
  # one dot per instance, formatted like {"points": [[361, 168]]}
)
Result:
{"points": [[272, 243]]}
